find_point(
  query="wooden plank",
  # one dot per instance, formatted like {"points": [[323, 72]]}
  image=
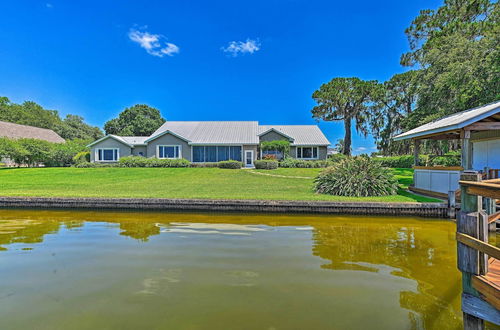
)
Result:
{"points": [[479, 308], [472, 322], [439, 168], [484, 238], [416, 152], [428, 193], [467, 257], [484, 191], [478, 245], [488, 285], [494, 217]]}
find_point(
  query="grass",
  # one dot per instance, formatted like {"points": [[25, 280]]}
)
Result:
{"points": [[205, 183]]}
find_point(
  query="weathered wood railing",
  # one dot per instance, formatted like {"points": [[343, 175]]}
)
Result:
{"points": [[477, 260]]}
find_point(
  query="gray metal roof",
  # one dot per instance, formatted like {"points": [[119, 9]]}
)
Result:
{"points": [[301, 134], [134, 140], [213, 132], [452, 122], [17, 131]]}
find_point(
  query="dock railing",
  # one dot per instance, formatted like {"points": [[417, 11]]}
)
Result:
{"points": [[477, 260]]}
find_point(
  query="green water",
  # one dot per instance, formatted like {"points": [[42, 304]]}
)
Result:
{"points": [[109, 270]]}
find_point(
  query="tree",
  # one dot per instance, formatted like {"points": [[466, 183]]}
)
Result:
{"points": [[74, 127], [455, 48], [138, 120], [394, 100], [347, 100]]}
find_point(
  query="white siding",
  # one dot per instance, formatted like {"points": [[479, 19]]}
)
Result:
{"points": [[486, 154], [436, 180]]}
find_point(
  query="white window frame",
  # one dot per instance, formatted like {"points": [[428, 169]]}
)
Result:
{"points": [[302, 152], [107, 161], [169, 145]]}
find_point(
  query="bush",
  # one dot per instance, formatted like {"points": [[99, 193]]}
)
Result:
{"points": [[270, 157], [94, 165], [452, 158], [81, 157], [297, 163], [230, 164], [138, 161], [356, 177], [336, 157], [266, 164], [209, 164], [406, 161]]}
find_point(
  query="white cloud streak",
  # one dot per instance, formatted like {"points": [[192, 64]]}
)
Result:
{"points": [[235, 48], [154, 44]]}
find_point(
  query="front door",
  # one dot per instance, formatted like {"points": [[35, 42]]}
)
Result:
{"points": [[248, 158]]}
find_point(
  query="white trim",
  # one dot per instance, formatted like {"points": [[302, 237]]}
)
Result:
{"points": [[115, 137], [168, 145], [312, 158], [245, 157], [96, 156], [166, 132]]}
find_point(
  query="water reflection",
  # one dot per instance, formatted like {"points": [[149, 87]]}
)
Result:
{"points": [[414, 258]]}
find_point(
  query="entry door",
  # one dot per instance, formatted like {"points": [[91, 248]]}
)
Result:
{"points": [[249, 158]]}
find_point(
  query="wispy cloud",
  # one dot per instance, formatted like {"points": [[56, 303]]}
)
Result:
{"points": [[49, 5], [154, 44], [235, 48]]}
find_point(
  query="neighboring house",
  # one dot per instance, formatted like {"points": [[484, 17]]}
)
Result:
{"points": [[17, 131], [479, 131], [212, 141]]}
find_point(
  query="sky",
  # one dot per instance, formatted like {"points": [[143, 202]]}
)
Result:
{"points": [[198, 60]]}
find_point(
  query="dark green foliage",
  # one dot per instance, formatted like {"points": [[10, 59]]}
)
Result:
{"points": [[336, 157], [138, 120], [32, 152], [32, 114], [347, 100], [137, 161], [96, 165], [356, 177], [396, 161], [230, 164], [452, 158], [266, 164], [207, 164], [290, 162], [278, 145]]}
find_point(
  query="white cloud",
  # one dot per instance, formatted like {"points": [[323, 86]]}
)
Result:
{"points": [[154, 44], [235, 48]]}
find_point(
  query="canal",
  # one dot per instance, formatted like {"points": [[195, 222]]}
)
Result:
{"points": [[159, 270]]}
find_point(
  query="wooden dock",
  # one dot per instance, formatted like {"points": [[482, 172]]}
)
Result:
{"points": [[478, 261]]}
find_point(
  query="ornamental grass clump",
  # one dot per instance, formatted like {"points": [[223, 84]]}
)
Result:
{"points": [[356, 177]]}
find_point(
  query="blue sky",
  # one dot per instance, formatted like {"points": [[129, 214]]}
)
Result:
{"points": [[198, 60]]}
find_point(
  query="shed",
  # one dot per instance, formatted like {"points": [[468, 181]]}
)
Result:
{"points": [[479, 132]]}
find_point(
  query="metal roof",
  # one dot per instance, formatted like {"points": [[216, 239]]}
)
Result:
{"points": [[302, 134], [452, 122], [17, 131], [213, 132]]}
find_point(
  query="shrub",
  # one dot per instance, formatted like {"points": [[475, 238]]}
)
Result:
{"points": [[406, 161], [95, 165], [138, 161], [209, 164], [356, 177], [266, 164], [81, 157], [230, 164], [452, 158], [336, 157], [297, 163]]}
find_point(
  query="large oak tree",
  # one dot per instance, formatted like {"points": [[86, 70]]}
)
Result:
{"points": [[138, 120]]}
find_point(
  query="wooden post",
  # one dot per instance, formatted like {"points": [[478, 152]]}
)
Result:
{"points": [[466, 150], [469, 222], [416, 152]]}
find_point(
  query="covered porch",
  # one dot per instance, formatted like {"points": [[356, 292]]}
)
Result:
{"points": [[478, 131]]}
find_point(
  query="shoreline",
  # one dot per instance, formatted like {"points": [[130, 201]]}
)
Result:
{"points": [[438, 210]]}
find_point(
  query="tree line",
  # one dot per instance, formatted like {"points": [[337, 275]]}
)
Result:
{"points": [[454, 65]]}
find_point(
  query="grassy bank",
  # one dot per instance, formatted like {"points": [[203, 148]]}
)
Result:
{"points": [[205, 183]]}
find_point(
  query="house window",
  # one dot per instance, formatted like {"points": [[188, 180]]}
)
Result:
{"points": [[108, 155], [307, 152], [205, 154], [169, 151]]}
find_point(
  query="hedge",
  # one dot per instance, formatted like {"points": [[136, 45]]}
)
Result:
{"points": [[138, 161], [297, 163], [266, 164], [230, 164]]}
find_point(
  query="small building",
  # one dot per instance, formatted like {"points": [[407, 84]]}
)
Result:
{"points": [[479, 132], [213, 141], [17, 131]]}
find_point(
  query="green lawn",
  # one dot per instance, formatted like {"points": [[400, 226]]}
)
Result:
{"points": [[178, 183]]}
